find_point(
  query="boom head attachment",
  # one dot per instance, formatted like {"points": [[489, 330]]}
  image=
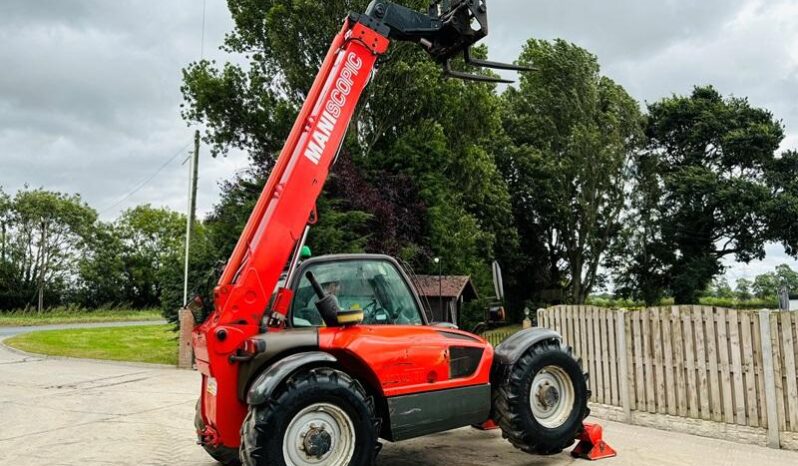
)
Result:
{"points": [[448, 29]]}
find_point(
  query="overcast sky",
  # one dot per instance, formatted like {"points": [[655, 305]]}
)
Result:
{"points": [[89, 90]]}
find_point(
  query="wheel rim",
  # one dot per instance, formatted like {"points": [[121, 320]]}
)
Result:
{"points": [[322, 433], [551, 397]]}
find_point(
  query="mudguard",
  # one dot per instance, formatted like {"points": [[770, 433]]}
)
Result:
{"points": [[511, 349], [274, 375]]}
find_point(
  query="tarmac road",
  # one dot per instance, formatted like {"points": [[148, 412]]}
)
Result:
{"points": [[82, 412], [10, 331]]}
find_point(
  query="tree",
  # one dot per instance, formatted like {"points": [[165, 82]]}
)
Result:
{"points": [[572, 133], [150, 237], [766, 285], [782, 179], [788, 278], [10, 295], [5, 219], [714, 161], [201, 279], [101, 268], [43, 235], [138, 261], [639, 260], [742, 289], [720, 288]]}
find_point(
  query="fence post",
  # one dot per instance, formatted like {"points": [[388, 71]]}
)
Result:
{"points": [[623, 381], [527, 323], [185, 354], [770, 383]]}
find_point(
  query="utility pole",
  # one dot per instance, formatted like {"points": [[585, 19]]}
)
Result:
{"points": [[43, 251], [784, 298], [3, 243], [192, 208]]}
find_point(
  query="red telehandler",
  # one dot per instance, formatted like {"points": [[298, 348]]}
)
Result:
{"points": [[311, 362]]}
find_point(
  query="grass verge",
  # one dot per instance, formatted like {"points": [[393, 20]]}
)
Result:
{"points": [[146, 343], [76, 316]]}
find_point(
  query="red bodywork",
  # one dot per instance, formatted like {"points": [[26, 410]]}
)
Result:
{"points": [[406, 359], [401, 360]]}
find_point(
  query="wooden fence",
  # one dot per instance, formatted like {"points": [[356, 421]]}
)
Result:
{"points": [[495, 337], [735, 367]]}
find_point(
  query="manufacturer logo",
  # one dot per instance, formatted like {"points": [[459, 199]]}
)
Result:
{"points": [[333, 108]]}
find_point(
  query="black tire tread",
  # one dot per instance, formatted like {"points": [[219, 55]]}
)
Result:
{"points": [[259, 415], [509, 400]]}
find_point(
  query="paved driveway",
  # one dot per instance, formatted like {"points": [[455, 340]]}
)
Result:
{"points": [[78, 412]]}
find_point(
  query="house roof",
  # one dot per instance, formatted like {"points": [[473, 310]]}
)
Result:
{"points": [[449, 286]]}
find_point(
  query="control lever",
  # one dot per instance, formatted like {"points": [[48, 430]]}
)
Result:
{"points": [[327, 304]]}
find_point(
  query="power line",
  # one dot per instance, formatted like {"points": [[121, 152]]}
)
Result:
{"points": [[202, 40], [143, 183]]}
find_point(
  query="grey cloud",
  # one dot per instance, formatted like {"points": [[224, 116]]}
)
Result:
{"points": [[89, 98], [619, 29]]}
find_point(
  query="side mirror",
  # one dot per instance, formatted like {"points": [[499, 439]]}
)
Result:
{"points": [[498, 281], [496, 314]]}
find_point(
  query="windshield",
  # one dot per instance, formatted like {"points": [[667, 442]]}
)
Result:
{"points": [[374, 286]]}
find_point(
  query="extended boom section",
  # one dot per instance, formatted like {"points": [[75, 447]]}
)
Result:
{"points": [[277, 223]]}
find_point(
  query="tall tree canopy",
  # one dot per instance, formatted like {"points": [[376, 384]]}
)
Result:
{"points": [[640, 258], [42, 233], [768, 285], [138, 261], [722, 184], [571, 135], [124, 261]]}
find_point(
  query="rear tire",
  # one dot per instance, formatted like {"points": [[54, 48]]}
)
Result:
{"points": [[319, 417], [225, 455], [543, 401]]}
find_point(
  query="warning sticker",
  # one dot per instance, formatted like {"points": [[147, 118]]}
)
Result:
{"points": [[210, 387]]}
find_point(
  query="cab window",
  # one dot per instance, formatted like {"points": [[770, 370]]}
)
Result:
{"points": [[374, 286]]}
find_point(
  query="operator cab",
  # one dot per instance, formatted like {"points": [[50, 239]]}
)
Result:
{"points": [[372, 283]]}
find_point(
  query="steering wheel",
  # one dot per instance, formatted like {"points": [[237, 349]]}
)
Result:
{"points": [[372, 316], [401, 317]]}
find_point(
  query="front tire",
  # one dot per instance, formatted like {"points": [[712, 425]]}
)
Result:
{"points": [[319, 417], [541, 404]]}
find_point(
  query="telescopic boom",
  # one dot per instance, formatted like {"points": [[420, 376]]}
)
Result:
{"points": [[275, 231]]}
